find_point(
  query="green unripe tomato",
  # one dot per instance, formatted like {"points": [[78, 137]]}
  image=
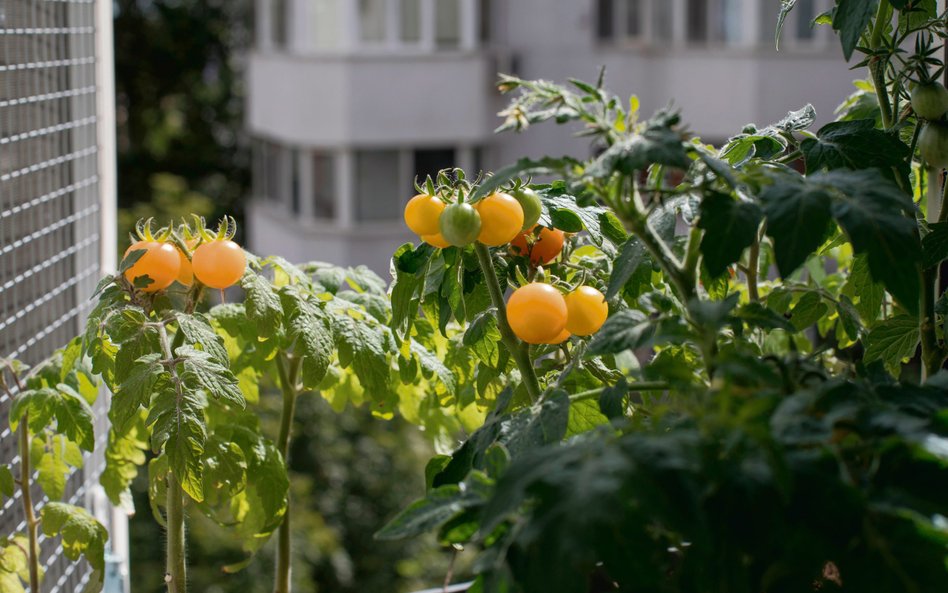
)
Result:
{"points": [[930, 101], [460, 224], [933, 144], [530, 203]]}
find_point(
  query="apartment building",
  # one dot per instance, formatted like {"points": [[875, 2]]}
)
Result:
{"points": [[349, 100]]}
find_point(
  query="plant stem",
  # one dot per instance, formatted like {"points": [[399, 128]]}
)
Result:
{"points": [[288, 379], [176, 565], [176, 576], [637, 386], [27, 497], [877, 66], [753, 265], [517, 349]]}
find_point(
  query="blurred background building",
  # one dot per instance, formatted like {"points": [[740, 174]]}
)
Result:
{"points": [[349, 100]]}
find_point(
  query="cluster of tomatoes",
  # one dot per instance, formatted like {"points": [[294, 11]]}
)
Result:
{"points": [[494, 221], [498, 219], [930, 102], [216, 261], [540, 314]]}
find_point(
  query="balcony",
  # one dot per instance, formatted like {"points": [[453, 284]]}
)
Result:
{"points": [[330, 73]]}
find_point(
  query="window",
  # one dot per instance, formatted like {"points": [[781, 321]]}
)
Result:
{"points": [[447, 23], [411, 21], [325, 24], [378, 195], [624, 20], [604, 18], [294, 155], [324, 185], [717, 21], [485, 16], [372, 20], [273, 165], [662, 21], [278, 22], [806, 12], [697, 20], [430, 161]]}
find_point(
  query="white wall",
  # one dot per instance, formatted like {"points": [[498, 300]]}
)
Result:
{"points": [[382, 100]]}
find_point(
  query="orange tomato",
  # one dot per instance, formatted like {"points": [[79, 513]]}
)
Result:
{"points": [[186, 273], [218, 264], [587, 311], [537, 313], [544, 249], [501, 219], [422, 213], [160, 263], [436, 240], [564, 335]]}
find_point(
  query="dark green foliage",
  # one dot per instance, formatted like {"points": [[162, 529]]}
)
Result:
{"points": [[180, 100]]}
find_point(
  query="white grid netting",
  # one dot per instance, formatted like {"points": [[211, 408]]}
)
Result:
{"points": [[49, 217]]}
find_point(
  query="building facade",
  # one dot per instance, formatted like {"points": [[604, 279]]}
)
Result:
{"points": [[349, 100], [57, 226]]}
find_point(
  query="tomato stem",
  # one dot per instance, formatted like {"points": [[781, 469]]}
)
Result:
{"points": [[31, 522], [176, 577], [877, 65], [518, 350], [288, 379]]}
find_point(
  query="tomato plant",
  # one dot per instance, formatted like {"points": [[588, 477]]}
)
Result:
{"points": [[63, 389], [744, 406]]}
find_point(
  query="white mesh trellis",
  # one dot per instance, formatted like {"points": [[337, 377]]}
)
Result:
{"points": [[50, 236]]}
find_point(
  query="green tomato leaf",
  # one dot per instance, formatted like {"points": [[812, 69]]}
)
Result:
{"points": [[73, 415], [364, 346], [892, 341], [935, 244], [808, 310], [855, 144], [436, 508], [880, 221], [729, 226], [852, 18], [307, 326], [178, 426], [136, 390], [798, 219], [124, 454], [7, 484], [658, 144], [81, 533], [262, 304], [631, 257], [198, 332], [201, 371]]}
